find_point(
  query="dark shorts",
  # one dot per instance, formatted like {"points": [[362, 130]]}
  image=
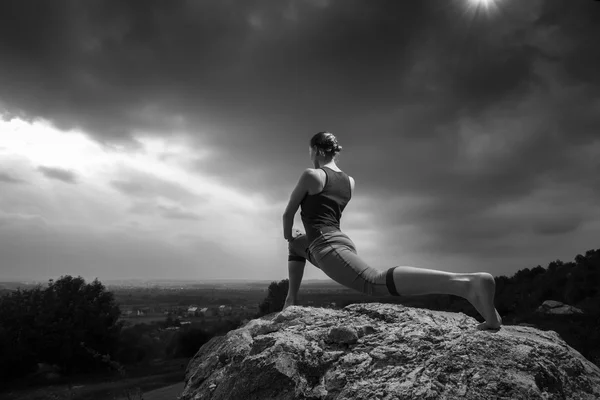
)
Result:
{"points": [[335, 254]]}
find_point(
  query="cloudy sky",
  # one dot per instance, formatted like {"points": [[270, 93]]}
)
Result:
{"points": [[161, 139]]}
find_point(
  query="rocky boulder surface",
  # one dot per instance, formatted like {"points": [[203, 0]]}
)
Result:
{"points": [[556, 307], [386, 351]]}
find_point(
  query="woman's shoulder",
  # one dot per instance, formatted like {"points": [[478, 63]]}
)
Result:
{"points": [[313, 171], [312, 179], [312, 174]]}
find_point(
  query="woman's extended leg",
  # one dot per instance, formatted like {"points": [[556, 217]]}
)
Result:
{"points": [[478, 288], [336, 255], [295, 271]]}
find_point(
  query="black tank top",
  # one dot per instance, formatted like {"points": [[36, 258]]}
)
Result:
{"points": [[324, 209]]}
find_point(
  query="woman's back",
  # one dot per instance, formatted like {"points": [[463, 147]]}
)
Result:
{"points": [[324, 209]]}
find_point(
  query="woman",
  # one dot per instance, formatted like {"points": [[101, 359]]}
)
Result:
{"points": [[323, 193]]}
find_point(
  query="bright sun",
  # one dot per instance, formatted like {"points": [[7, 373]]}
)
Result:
{"points": [[488, 6]]}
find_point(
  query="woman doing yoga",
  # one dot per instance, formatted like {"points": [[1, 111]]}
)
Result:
{"points": [[322, 193]]}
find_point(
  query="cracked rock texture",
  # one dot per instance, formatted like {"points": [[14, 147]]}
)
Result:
{"points": [[386, 351]]}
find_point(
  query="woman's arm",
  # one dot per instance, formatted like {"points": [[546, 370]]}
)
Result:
{"points": [[307, 180]]}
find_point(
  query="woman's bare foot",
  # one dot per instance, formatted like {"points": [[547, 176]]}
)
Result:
{"points": [[481, 296], [288, 302]]}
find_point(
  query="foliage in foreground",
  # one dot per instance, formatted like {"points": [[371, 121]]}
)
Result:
{"points": [[277, 292], [57, 325]]}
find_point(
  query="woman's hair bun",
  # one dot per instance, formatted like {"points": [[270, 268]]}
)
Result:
{"points": [[332, 145], [327, 142]]}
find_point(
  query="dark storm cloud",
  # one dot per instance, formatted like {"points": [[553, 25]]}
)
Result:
{"points": [[457, 207], [109, 66], [558, 225], [141, 185], [576, 25], [103, 66], [8, 178], [58, 174], [560, 120]]}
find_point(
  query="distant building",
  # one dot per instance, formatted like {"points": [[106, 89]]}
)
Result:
{"points": [[192, 311]]}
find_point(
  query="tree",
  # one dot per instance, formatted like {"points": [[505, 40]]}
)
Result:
{"points": [[277, 292], [59, 325]]}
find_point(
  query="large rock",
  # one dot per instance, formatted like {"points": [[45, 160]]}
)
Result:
{"points": [[386, 351], [556, 307]]}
